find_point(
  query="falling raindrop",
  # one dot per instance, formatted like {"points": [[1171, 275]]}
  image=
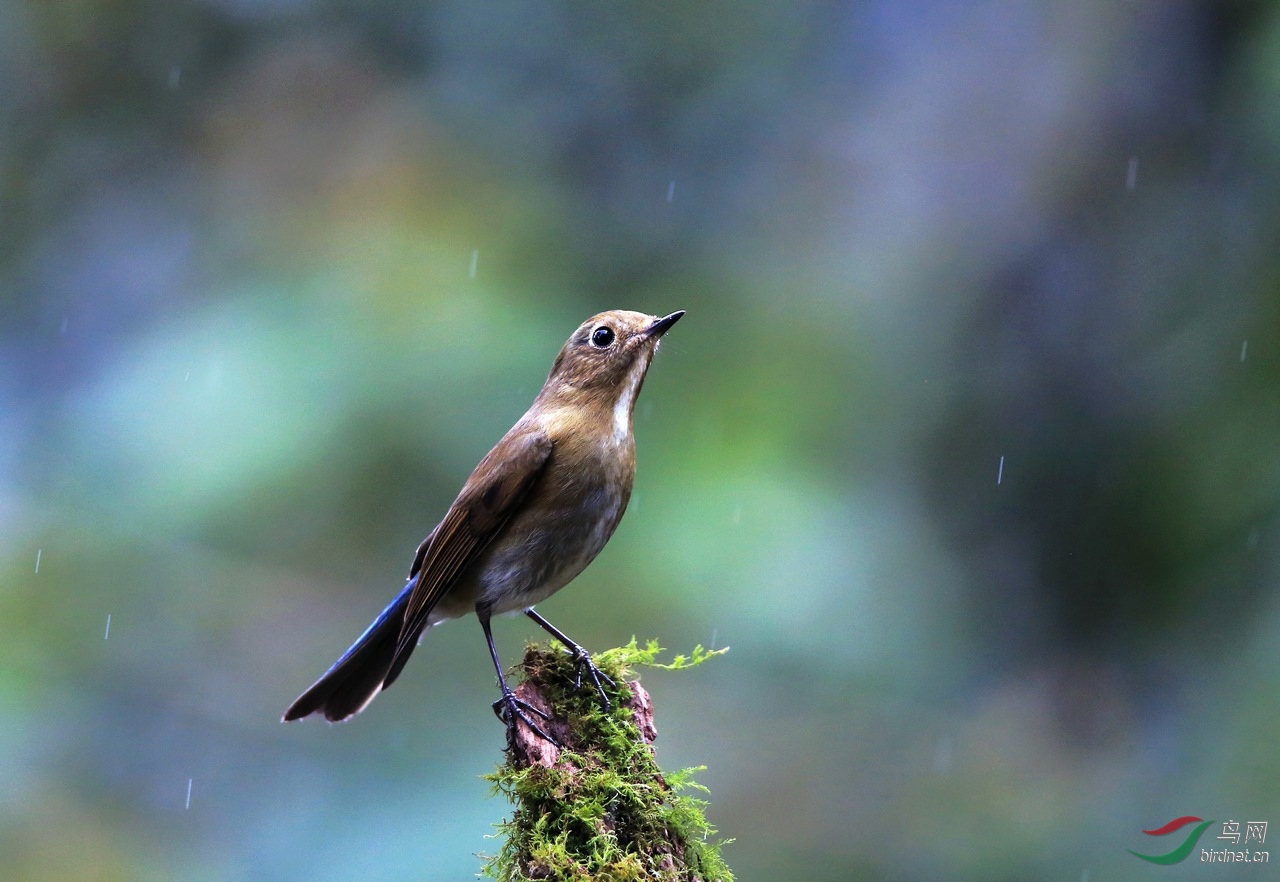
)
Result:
{"points": [[1131, 177], [1244, 349], [189, 780], [1000, 471], [475, 259], [107, 634], [671, 191], [38, 553]]}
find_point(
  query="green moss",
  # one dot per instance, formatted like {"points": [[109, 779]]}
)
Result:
{"points": [[603, 809]]}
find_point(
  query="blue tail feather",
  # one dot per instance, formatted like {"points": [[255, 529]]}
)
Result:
{"points": [[369, 666]]}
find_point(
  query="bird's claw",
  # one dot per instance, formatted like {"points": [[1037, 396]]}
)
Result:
{"points": [[582, 659], [508, 709]]}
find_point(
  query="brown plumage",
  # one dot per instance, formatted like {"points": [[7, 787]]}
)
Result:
{"points": [[536, 510]]}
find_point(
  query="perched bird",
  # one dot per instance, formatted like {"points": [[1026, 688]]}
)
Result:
{"points": [[536, 510]]}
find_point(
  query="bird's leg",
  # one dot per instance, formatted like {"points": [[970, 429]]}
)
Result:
{"points": [[508, 708], [581, 658]]}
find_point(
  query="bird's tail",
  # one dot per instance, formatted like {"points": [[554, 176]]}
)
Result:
{"points": [[364, 670]]}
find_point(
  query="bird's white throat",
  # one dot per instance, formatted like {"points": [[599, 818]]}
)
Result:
{"points": [[626, 400]]}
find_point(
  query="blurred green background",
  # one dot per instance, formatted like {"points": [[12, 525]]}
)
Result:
{"points": [[969, 445]]}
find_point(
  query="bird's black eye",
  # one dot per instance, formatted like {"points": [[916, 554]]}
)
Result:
{"points": [[602, 336]]}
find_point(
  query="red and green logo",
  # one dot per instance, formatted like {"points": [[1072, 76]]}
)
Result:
{"points": [[1181, 852]]}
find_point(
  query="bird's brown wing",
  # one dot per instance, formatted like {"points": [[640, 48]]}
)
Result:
{"points": [[478, 515]]}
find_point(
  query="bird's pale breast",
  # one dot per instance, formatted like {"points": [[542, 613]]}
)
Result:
{"points": [[568, 518]]}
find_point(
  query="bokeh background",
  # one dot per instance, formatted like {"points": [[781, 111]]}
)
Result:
{"points": [[969, 445]]}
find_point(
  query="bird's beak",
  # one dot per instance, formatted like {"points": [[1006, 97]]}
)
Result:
{"points": [[662, 325]]}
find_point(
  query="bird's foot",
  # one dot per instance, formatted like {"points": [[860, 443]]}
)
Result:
{"points": [[582, 660], [508, 708]]}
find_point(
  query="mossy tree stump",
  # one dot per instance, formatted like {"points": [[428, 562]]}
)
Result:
{"points": [[597, 806]]}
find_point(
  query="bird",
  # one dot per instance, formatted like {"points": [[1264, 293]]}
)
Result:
{"points": [[533, 514]]}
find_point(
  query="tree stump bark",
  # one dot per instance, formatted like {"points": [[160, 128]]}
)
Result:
{"points": [[596, 805]]}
